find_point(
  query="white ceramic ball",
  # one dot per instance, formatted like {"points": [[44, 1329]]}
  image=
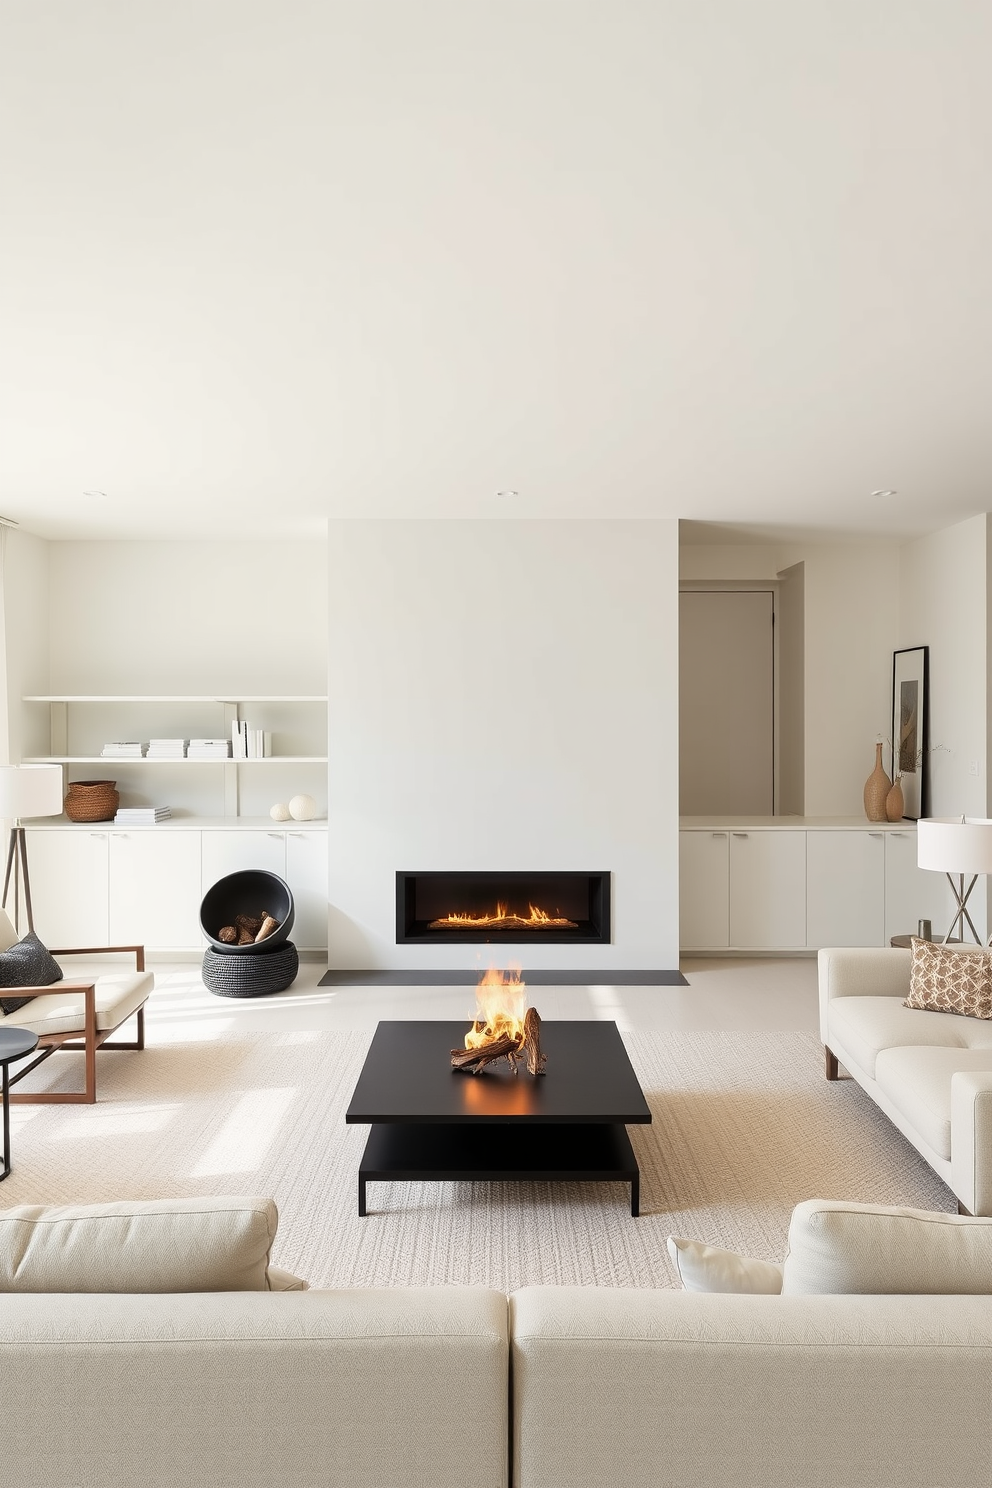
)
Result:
{"points": [[279, 812], [302, 808]]}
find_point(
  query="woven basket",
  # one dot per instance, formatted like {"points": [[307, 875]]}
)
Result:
{"points": [[250, 976], [92, 800]]}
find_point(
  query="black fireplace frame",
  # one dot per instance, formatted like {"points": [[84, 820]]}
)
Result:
{"points": [[594, 924]]}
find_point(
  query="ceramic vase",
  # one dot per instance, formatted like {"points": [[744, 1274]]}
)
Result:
{"points": [[877, 788], [895, 805]]}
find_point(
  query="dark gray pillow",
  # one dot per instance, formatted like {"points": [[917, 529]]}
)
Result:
{"points": [[26, 964]]}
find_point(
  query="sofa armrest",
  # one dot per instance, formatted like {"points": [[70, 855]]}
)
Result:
{"points": [[863, 971], [971, 1139]]}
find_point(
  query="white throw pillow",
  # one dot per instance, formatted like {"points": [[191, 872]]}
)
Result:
{"points": [[158, 1245], [867, 1249], [707, 1268]]}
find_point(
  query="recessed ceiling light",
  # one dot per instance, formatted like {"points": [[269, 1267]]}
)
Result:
{"points": [[885, 493], [507, 493]]}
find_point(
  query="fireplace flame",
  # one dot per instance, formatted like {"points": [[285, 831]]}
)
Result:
{"points": [[502, 919], [500, 1005]]}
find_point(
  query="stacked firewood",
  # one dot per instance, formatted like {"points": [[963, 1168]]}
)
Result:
{"points": [[248, 929], [513, 1049]]}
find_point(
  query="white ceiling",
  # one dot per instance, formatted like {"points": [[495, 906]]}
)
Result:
{"points": [[269, 262]]}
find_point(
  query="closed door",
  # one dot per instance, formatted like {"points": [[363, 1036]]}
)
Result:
{"points": [[845, 888], [69, 886], [726, 703], [913, 893], [155, 889], [225, 852], [306, 874], [768, 890], [704, 891]]}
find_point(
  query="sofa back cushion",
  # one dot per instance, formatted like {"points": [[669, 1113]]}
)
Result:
{"points": [[160, 1245], [946, 979], [868, 1249]]}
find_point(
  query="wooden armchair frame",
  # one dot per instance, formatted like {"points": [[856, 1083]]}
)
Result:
{"points": [[92, 1037]]}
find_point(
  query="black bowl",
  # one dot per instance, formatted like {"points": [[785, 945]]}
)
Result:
{"points": [[252, 891]]}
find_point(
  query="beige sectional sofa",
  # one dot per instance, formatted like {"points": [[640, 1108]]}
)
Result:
{"points": [[931, 1073], [462, 1387]]}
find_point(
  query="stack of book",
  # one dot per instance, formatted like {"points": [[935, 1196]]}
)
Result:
{"points": [[166, 749], [208, 749], [248, 742], [121, 751], [141, 816]]}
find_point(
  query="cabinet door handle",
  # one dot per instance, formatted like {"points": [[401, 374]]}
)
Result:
{"points": [[274, 834], [740, 834], [880, 834], [100, 835], [897, 834]]}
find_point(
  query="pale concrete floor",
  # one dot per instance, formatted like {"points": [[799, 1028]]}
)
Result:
{"points": [[756, 994]]}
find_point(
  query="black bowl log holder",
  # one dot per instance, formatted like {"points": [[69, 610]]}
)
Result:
{"points": [[252, 893]]}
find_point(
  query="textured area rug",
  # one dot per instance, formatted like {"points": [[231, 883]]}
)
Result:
{"points": [[744, 1126]]}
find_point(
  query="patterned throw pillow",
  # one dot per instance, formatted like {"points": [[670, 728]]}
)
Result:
{"points": [[26, 964], [946, 980]]}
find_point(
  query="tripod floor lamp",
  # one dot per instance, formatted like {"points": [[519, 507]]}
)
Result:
{"points": [[961, 847], [25, 791]]}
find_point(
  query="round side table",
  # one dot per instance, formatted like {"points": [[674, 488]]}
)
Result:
{"points": [[14, 1044]]}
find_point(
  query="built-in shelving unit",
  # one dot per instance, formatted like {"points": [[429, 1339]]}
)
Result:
{"points": [[81, 723]]}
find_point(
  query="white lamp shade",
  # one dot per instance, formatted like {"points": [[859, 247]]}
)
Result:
{"points": [[30, 790], [954, 844]]}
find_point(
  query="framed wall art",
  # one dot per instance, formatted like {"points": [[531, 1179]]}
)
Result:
{"points": [[911, 728]]}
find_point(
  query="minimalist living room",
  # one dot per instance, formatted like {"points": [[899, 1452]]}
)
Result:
{"points": [[494, 736]]}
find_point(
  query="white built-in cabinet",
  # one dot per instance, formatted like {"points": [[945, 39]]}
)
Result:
{"points": [[800, 884], [102, 885]]}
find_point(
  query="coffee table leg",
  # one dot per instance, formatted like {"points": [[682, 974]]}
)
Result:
{"points": [[362, 1211], [635, 1195]]}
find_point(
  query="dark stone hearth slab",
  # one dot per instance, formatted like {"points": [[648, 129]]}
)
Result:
{"points": [[466, 978]]}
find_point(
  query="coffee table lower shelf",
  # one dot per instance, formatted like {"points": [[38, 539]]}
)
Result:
{"points": [[499, 1152]]}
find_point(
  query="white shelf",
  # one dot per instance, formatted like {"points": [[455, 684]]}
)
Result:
{"points": [[86, 721], [101, 759], [65, 697]]}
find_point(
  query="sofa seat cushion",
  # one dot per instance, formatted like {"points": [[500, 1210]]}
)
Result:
{"points": [[118, 995], [918, 1083], [866, 1025]]}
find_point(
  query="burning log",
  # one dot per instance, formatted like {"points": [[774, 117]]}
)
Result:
{"points": [[508, 1046], [476, 1059], [536, 1061]]}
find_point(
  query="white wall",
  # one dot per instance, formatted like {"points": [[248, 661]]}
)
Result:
{"points": [[943, 604], [26, 641], [851, 600], [188, 617], [503, 695]]}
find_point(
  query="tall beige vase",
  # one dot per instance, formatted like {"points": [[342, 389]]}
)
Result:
{"points": [[877, 787]]}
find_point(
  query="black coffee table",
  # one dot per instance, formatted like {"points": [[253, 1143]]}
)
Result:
{"points": [[430, 1122], [14, 1044]]}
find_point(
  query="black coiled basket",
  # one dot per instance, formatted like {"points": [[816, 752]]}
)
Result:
{"points": [[251, 891], [251, 976]]}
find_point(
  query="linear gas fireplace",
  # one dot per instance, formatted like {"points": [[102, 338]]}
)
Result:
{"points": [[536, 908]]}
